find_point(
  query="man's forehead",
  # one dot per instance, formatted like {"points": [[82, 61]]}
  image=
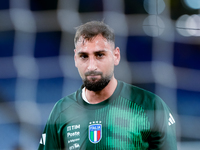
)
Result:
{"points": [[97, 39], [94, 45]]}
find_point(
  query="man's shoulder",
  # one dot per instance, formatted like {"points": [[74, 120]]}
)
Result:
{"points": [[67, 100], [135, 91], [63, 104], [139, 95]]}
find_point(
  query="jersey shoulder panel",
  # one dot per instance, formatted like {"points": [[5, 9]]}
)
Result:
{"points": [[136, 94], [142, 97], [62, 105]]}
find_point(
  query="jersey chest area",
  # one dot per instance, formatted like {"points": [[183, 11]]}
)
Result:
{"points": [[111, 127]]}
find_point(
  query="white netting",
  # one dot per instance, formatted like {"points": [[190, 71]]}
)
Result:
{"points": [[37, 65]]}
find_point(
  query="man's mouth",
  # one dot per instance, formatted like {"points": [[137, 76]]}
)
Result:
{"points": [[92, 73], [93, 76]]}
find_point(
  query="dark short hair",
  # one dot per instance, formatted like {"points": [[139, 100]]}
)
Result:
{"points": [[91, 29]]}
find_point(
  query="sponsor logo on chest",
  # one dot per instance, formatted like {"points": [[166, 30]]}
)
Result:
{"points": [[73, 135]]}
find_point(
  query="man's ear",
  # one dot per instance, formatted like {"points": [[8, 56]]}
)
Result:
{"points": [[75, 57], [116, 56]]}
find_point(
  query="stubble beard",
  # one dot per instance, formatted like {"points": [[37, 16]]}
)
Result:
{"points": [[96, 84]]}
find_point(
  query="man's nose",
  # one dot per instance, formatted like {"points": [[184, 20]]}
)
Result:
{"points": [[92, 64]]}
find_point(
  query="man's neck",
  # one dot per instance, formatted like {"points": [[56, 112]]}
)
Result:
{"points": [[100, 96]]}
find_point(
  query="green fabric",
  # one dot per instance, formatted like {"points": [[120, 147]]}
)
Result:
{"points": [[131, 119]]}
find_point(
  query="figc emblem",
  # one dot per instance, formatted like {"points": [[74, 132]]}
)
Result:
{"points": [[95, 132]]}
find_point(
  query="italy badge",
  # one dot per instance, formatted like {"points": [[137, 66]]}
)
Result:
{"points": [[95, 133]]}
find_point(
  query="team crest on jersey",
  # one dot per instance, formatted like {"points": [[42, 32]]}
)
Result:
{"points": [[95, 132]]}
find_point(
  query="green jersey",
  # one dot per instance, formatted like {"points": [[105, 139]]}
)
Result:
{"points": [[131, 119]]}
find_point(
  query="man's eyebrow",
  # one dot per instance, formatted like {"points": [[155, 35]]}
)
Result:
{"points": [[80, 53], [98, 51], [101, 51]]}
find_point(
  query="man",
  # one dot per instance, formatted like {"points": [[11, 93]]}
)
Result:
{"points": [[106, 114]]}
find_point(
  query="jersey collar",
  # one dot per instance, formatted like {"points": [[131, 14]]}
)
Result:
{"points": [[101, 104]]}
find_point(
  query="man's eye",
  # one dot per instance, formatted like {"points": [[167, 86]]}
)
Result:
{"points": [[83, 56], [100, 55]]}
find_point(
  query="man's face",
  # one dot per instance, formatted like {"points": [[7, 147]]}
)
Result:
{"points": [[95, 61]]}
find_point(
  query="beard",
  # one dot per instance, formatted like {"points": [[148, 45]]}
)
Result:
{"points": [[96, 85]]}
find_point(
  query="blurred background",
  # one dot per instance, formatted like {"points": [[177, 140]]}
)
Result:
{"points": [[160, 49]]}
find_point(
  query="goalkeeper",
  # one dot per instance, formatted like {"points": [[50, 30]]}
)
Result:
{"points": [[105, 113]]}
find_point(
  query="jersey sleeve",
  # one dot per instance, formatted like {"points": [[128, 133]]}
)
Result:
{"points": [[163, 134], [50, 139]]}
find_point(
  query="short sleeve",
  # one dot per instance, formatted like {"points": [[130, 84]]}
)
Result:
{"points": [[163, 134], [50, 139]]}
